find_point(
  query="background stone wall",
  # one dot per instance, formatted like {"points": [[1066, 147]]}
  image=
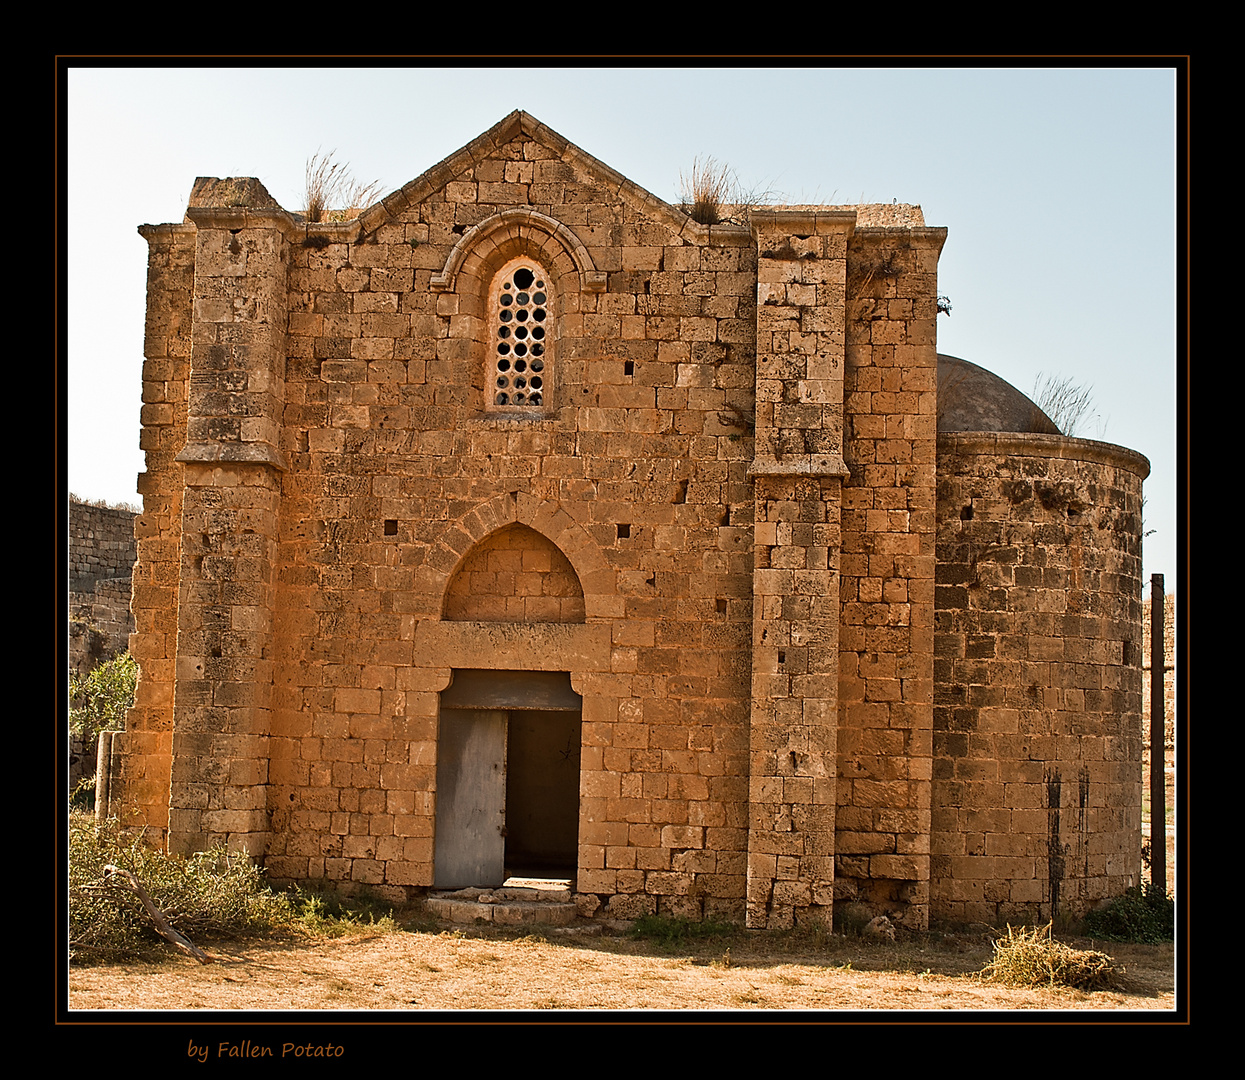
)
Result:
{"points": [[101, 544], [102, 553]]}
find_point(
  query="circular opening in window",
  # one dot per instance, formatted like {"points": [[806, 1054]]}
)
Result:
{"points": [[538, 298], [503, 365], [537, 365], [538, 314], [502, 399], [523, 277]]}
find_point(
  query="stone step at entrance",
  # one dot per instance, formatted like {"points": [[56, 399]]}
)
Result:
{"points": [[519, 901]]}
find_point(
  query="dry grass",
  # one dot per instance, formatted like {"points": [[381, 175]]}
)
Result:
{"points": [[712, 195], [705, 191], [1033, 958], [483, 968], [332, 193], [1067, 403]]}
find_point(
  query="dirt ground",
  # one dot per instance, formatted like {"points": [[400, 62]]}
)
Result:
{"points": [[409, 972], [487, 969]]}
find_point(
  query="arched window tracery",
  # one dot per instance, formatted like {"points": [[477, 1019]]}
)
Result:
{"points": [[519, 367]]}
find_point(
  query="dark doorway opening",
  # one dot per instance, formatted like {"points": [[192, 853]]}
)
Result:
{"points": [[508, 762], [542, 794]]}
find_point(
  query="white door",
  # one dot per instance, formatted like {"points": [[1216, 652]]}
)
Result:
{"points": [[471, 799]]}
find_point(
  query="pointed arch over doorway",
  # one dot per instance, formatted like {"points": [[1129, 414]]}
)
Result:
{"points": [[515, 575]]}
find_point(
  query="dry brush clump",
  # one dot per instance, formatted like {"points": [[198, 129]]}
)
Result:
{"points": [[704, 192], [1031, 958], [332, 193], [712, 195], [214, 893]]}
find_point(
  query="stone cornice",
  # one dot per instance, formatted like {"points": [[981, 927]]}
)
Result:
{"points": [[242, 217], [805, 220], [800, 465], [1031, 444], [232, 454]]}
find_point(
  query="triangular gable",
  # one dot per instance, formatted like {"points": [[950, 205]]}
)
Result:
{"points": [[520, 123]]}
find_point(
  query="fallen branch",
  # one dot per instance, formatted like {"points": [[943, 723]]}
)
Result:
{"points": [[163, 927]]}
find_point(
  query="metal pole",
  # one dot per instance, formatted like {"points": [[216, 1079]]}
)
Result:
{"points": [[1158, 755]]}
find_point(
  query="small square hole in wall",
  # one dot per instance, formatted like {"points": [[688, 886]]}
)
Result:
{"points": [[391, 528], [624, 531], [628, 367], [721, 606]]}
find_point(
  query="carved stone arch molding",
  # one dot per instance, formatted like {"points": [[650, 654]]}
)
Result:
{"points": [[551, 521], [521, 231]]}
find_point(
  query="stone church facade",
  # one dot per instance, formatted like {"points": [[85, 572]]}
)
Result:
{"points": [[524, 523]]}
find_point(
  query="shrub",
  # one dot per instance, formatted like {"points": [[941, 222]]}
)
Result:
{"points": [[212, 894], [1034, 958], [1147, 916], [100, 701]]}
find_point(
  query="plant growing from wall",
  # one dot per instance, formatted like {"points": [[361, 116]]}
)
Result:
{"points": [[711, 189], [705, 190], [332, 193], [1066, 402]]}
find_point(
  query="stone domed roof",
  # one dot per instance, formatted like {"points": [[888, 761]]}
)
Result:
{"points": [[970, 398]]}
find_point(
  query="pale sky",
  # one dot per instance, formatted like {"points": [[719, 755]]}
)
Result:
{"points": [[1057, 186]]}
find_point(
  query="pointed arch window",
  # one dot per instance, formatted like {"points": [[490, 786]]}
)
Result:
{"points": [[519, 368]]}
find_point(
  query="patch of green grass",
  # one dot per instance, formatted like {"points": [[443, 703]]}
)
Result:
{"points": [[327, 914], [668, 932], [1147, 916]]}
